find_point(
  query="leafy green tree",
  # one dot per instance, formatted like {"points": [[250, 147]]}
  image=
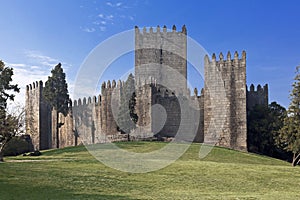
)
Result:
{"points": [[264, 122], [57, 95], [127, 118], [6, 87], [289, 135], [8, 123]]}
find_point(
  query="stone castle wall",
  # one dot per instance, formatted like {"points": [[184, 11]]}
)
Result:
{"points": [[66, 131], [37, 116], [199, 101], [161, 55], [161, 73], [164, 105], [225, 116], [259, 96], [90, 120], [94, 118]]}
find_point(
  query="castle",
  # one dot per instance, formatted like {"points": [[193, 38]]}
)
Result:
{"points": [[164, 105]]}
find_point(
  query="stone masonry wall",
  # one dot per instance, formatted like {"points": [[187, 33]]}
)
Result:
{"points": [[95, 119], [225, 117], [66, 131], [37, 116], [144, 99], [161, 55], [259, 96], [219, 112], [200, 101]]}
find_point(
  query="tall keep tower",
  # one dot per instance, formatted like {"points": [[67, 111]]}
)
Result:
{"points": [[161, 55], [225, 115], [160, 68]]}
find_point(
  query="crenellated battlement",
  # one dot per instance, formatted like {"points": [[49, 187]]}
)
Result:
{"points": [[196, 92], [225, 99], [111, 84], [228, 61], [107, 88], [158, 30], [87, 101], [259, 89], [260, 96], [34, 86], [156, 49]]}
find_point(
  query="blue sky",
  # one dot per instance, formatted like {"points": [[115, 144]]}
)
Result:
{"points": [[37, 34]]}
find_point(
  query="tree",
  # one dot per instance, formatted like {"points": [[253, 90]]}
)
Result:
{"points": [[127, 118], [8, 123], [18, 112], [289, 135], [263, 125], [56, 94]]}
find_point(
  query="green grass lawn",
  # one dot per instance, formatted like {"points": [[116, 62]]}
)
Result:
{"points": [[72, 173]]}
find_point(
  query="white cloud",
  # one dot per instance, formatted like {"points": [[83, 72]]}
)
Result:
{"points": [[103, 22], [106, 17], [114, 5], [38, 58], [110, 13], [89, 30], [25, 74], [127, 17], [16, 65], [35, 67], [102, 28], [109, 17], [109, 4]]}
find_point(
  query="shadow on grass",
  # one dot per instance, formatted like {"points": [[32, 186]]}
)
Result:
{"points": [[35, 191]]}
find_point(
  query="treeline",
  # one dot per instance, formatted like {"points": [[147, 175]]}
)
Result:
{"points": [[275, 131]]}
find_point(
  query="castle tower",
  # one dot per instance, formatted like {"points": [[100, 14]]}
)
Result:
{"points": [[259, 96], [225, 116], [161, 54], [160, 68], [37, 116]]}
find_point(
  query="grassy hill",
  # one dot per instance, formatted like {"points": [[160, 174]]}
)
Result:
{"points": [[72, 173]]}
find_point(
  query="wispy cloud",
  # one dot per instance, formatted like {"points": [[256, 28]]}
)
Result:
{"points": [[103, 22], [113, 5], [102, 28], [127, 17], [25, 74], [36, 67], [106, 17], [109, 13], [38, 59], [89, 30]]}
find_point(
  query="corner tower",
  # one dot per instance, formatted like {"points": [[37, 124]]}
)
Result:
{"points": [[37, 116], [225, 115], [257, 97]]}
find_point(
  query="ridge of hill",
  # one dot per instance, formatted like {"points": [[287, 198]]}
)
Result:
{"points": [[74, 173]]}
